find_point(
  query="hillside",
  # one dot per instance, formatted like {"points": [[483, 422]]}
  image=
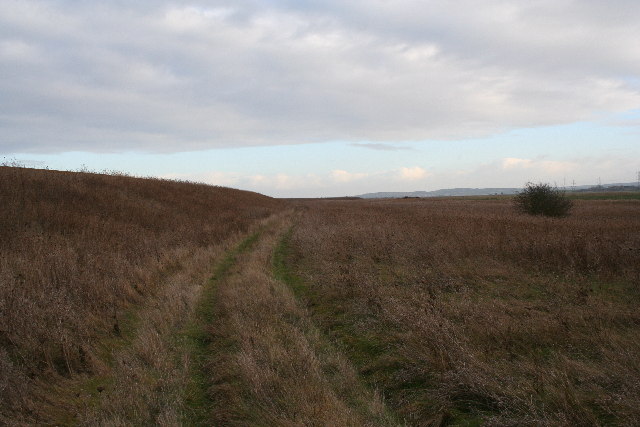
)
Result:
{"points": [[447, 192], [80, 251]]}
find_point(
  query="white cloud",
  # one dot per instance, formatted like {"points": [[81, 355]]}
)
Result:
{"points": [[501, 172], [412, 173], [344, 176], [547, 166], [191, 18], [174, 76], [224, 179], [511, 163]]}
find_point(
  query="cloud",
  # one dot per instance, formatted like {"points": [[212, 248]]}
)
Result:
{"points": [[381, 147], [279, 181], [172, 76], [500, 172], [18, 51], [547, 166], [512, 163], [273, 184], [224, 179], [344, 176], [413, 173]]}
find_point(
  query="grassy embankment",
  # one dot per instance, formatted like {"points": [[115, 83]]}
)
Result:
{"points": [[464, 312], [97, 273]]}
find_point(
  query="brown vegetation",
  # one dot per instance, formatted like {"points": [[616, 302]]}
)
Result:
{"points": [[418, 311], [79, 251], [269, 365], [463, 311]]}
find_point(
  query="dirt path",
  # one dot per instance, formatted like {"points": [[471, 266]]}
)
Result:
{"points": [[259, 358]]}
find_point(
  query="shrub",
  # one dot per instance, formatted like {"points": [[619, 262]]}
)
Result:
{"points": [[542, 199]]}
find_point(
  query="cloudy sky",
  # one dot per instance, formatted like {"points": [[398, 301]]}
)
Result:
{"points": [[325, 98]]}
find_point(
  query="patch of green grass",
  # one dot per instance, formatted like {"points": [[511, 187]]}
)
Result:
{"points": [[372, 351], [199, 339], [282, 272], [336, 331], [127, 325]]}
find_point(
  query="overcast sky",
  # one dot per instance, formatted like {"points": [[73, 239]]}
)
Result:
{"points": [[322, 98]]}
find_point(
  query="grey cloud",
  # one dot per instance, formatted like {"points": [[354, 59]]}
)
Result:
{"points": [[176, 76]]}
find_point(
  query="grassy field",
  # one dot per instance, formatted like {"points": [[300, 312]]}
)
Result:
{"points": [[97, 273], [130, 301], [463, 312], [606, 195]]}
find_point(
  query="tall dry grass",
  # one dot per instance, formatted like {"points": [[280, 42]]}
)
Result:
{"points": [[268, 364], [79, 250], [463, 311]]}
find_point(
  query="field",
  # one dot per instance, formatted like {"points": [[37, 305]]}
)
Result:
{"points": [[146, 302], [464, 312], [96, 273]]}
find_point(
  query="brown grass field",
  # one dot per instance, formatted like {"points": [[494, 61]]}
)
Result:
{"points": [[80, 254], [127, 301], [464, 312]]}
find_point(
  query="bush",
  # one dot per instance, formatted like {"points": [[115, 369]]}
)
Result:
{"points": [[542, 199]]}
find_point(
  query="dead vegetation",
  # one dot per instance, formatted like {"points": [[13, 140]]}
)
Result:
{"points": [[463, 311], [384, 312], [80, 253], [269, 364]]}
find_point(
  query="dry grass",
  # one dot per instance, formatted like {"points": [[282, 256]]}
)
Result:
{"points": [[463, 311], [269, 365], [80, 253], [149, 375], [449, 311]]}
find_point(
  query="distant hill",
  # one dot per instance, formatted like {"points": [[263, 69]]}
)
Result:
{"points": [[442, 193], [447, 192]]}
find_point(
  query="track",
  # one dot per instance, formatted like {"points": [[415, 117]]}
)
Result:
{"points": [[261, 360]]}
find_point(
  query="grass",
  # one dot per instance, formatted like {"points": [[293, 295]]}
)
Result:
{"points": [[615, 195], [199, 340], [79, 253], [274, 367], [444, 311], [464, 312], [281, 270]]}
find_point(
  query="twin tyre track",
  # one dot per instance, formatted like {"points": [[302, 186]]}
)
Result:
{"points": [[259, 359]]}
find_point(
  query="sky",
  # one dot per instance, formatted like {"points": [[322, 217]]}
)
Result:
{"points": [[325, 98]]}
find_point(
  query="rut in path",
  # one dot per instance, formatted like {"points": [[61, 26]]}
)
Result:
{"points": [[265, 362]]}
